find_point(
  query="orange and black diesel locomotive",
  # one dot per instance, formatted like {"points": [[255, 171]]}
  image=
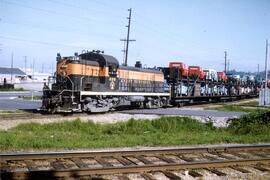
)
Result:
{"points": [[95, 82]]}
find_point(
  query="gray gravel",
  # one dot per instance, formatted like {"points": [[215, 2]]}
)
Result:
{"points": [[218, 118], [110, 118], [97, 118], [185, 112]]}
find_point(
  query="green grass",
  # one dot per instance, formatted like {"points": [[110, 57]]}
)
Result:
{"points": [[236, 108], [10, 89], [249, 103], [166, 131], [240, 107], [30, 97], [254, 123], [12, 112]]}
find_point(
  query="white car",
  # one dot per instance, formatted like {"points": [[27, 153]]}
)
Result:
{"points": [[211, 74]]}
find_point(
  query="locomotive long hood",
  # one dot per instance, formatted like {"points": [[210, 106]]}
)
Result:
{"points": [[102, 59]]}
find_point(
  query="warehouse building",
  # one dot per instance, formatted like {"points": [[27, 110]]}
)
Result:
{"points": [[10, 75]]}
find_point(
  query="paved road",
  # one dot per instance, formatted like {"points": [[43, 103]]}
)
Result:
{"points": [[13, 104], [184, 112], [7, 95], [9, 101]]}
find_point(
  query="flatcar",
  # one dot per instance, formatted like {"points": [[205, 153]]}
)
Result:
{"points": [[206, 85], [95, 82]]}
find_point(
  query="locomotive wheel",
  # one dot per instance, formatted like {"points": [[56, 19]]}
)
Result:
{"points": [[148, 105], [159, 104], [52, 110]]}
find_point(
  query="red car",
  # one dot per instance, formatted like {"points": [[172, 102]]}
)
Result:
{"points": [[181, 66], [196, 71], [222, 76]]}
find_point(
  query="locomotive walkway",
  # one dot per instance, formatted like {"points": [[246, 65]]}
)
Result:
{"points": [[159, 163]]}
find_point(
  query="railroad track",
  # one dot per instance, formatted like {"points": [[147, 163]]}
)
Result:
{"points": [[150, 164], [15, 116], [36, 115]]}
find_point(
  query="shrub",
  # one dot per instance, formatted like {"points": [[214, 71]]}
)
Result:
{"points": [[255, 122]]}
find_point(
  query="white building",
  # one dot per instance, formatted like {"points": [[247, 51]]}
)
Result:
{"points": [[10, 75], [33, 81]]}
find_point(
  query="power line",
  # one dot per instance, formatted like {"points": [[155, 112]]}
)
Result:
{"points": [[84, 8], [151, 28], [91, 19], [169, 35], [107, 5], [54, 12], [64, 29], [40, 42], [58, 13]]}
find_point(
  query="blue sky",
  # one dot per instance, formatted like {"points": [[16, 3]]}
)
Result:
{"points": [[192, 31]]}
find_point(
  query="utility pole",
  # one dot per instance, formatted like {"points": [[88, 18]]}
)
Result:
{"points": [[52, 69], [33, 68], [228, 69], [225, 69], [25, 63], [11, 71], [258, 72], [124, 52], [42, 68], [127, 40], [266, 69]]}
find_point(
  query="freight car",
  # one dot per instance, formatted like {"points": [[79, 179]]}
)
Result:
{"points": [[95, 82], [206, 85]]}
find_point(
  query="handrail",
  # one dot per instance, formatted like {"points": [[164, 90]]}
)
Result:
{"points": [[72, 90]]}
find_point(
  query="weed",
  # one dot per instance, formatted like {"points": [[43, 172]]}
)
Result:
{"points": [[253, 123], [166, 131]]}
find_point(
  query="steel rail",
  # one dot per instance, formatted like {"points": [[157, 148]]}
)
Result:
{"points": [[23, 116], [27, 116], [145, 152], [136, 168]]}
